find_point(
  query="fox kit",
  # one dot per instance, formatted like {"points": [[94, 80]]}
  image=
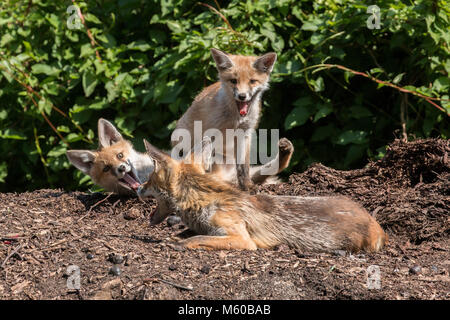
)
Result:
{"points": [[115, 166], [235, 103], [227, 218]]}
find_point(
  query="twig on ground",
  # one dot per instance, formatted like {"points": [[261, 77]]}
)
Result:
{"points": [[94, 205], [179, 286], [10, 255]]}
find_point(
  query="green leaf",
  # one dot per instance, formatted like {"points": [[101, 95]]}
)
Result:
{"points": [[112, 90], [441, 84], [12, 134], [91, 18], [296, 117], [398, 78], [40, 68], [309, 26], [351, 136], [44, 105], [324, 110], [89, 83]]}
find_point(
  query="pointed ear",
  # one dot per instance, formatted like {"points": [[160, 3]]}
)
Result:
{"points": [[155, 153], [81, 159], [223, 61], [202, 151], [107, 133], [265, 63]]}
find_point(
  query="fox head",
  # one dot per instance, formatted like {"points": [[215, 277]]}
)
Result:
{"points": [[166, 169], [244, 77], [110, 166]]}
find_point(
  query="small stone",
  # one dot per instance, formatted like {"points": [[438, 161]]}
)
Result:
{"points": [[89, 256], [132, 214], [173, 220], [115, 270], [434, 269], [115, 258], [172, 267], [205, 269], [340, 253], [415, 270]]}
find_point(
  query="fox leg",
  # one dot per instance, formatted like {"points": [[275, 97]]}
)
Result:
{"points": [[243, 169], [285, 151], [219, 243], [236, 234]]}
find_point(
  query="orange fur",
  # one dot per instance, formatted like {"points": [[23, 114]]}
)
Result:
{"points": [[228, 218]]}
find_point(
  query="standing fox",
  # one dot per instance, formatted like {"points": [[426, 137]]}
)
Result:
{"points": [[235, 103], [227, 218]]}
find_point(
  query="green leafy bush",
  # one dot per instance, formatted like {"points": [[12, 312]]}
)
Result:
{"points": [[140, 63]]}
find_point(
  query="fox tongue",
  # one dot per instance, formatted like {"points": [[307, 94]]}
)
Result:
{"points": [[129, 179], [243, 107]]}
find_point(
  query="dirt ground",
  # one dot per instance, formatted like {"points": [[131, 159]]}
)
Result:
{"points": [[408, 192]]}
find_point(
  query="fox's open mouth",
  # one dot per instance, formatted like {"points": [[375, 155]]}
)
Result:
{"points": [[130, 181], [243, 107]]}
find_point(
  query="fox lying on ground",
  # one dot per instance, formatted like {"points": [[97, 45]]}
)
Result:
{"points": [[118, 167], [235, 103], [115, 166], [227, 218]]}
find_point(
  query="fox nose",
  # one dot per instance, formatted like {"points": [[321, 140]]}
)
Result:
{"points": [[242, 96], [121, 168]]}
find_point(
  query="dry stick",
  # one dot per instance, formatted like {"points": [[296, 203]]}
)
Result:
{"points": [[95, 204], [31, 90], [188, 288], [329, 66], [47, 119], [93, 42], [218, 12], [403, 106], [11, 254], [53, 245]]}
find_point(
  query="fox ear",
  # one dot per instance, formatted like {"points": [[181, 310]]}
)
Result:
{"points": [[155, 153], [265, 63], [222, 59], [81, 159], [107, 133], [202, 151]]}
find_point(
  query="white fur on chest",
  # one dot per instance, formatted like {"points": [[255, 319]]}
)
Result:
{"points": [[199, 220], [143, 165]]}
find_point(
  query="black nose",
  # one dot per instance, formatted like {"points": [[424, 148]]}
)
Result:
{"points": [[242, 97], [121, 168]]}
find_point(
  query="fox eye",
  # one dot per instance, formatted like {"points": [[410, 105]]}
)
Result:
{"points": [[253, 81], [106, 168], [120, 155], [233, 81]]}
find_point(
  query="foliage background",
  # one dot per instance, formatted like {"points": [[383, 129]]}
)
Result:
{"points": [[150, 59]]}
